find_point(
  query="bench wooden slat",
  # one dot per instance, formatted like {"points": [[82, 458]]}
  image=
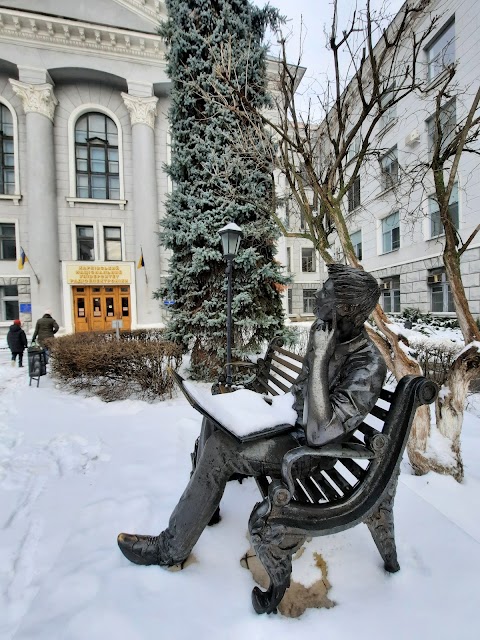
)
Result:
{"points": [[386, 395], [341, 482], [379, 412], [326, 487], [288, 365], [367, 430], [291, 355], [267, 387], [281, 373], [303, 493], [354, 468], [277, 383], [317, 494]]}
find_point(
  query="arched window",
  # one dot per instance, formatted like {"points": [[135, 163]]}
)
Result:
{"points": [[96, 157], [7, 155]]}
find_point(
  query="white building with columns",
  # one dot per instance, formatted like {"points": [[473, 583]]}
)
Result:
{"points": [[84, 139]]}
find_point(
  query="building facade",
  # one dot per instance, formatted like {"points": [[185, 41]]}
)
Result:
{"points": [[83, 122], [394, 224]]}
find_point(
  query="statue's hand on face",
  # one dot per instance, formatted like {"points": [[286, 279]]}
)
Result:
{"points": [[324, 337]]}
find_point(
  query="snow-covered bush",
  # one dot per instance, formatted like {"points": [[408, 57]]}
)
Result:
{"points": [[435, 356], [97, 363]]}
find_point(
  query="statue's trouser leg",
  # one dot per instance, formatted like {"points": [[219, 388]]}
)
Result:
{"points": [[221, 456]]}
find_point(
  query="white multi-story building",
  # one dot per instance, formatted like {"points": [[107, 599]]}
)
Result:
{"points": [[395, 229], [84, 137]]}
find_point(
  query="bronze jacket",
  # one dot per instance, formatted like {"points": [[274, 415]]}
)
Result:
{"points": [[356, 373]]}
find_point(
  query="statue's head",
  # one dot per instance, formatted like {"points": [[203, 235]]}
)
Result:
{"points": [[351, 291]]}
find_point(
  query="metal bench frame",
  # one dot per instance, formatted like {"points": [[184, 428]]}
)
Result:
{"points": [[355, 481]]}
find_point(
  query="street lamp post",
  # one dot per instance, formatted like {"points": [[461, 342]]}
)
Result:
{"points": [[230, 235]]}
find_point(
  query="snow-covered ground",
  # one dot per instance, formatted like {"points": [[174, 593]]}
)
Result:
{"points": [[75, 471]]}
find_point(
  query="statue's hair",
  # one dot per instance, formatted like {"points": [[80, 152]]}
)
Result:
{"points": [[355, 288]]}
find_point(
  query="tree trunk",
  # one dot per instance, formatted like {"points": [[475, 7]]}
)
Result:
{"points": [[450, 408]]}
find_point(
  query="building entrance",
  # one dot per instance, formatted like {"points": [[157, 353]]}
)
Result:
{"points": [[95, 307]]}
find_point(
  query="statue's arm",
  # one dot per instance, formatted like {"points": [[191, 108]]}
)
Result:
{"points": [[348, 403], [319, 407]]}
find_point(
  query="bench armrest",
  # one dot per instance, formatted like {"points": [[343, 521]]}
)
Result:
{"points": [[328, 451]]}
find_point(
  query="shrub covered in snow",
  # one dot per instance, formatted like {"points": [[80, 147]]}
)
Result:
{"points": [[136, 365]]}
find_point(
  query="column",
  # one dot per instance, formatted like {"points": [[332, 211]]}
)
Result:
{"points": [[42, 248], [142, 110]]}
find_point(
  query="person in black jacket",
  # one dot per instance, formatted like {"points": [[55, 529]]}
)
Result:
{"points": [[17, 342]]}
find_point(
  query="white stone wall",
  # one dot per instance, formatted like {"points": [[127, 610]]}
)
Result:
{"points": [[89, 67], [419, 252]]}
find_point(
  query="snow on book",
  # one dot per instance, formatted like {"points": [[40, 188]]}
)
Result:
{"points": [[243, 413]]}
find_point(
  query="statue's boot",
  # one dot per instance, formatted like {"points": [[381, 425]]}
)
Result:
{"points": [[146, 550]]}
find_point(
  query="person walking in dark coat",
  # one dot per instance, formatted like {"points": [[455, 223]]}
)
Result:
{"points": [[45, 329], [17, 342]]}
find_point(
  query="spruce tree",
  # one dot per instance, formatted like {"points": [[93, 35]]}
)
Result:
{"points": [[217, 178]]}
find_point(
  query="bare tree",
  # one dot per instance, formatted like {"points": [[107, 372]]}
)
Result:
{"points": [[321, 162], [453, 135]]}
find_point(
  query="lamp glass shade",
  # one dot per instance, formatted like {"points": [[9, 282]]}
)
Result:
{"points": [[231, 235]]}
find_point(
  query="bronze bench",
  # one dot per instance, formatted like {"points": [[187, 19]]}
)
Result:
{"points": [[356, 482]]}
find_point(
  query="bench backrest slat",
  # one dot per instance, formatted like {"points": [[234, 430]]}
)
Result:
{"points": [[283, 374], [314, 492], [281, 385], [326, 487], [354, 468], [386, 395], [379, 412], [289, 354], [341, 482], [286, 364]]}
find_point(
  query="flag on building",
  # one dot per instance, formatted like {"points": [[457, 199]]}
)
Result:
{"points": [[23, 259], [141, 262]]}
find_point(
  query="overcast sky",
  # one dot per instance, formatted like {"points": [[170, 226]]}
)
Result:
{"points": [[316, 15]]}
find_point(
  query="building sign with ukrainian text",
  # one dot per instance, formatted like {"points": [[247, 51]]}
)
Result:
{"points": [[98, 274]]}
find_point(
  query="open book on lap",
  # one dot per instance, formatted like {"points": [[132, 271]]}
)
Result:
{"points": [[243, 413]]}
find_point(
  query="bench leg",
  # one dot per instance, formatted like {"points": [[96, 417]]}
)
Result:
{"points": [[274, 545], [381, 526]]}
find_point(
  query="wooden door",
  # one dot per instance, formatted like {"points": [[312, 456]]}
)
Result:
{"points": [[80, 309], [97, 309], [94, 308]]}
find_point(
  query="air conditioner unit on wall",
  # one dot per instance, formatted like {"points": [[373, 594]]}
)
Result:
{"points": [[385, 285], [412, 138], [437, 277]]}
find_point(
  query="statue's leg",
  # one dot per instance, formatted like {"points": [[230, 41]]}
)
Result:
{"points": [[274, 545], [381, 525]]}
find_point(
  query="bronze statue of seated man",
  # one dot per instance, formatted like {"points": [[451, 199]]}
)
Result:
{"points": [[341, 379]]}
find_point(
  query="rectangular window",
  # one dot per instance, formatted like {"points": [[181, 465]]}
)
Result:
{"points": [[441, 52], [356, 239], [389, 111], [9, 308], [391, 233], [8, 244], [85, 243], [443, 128], [308, 300], [391, 294], [354, 194], [389, 169], [290, 301], [354, 148], [436, 226], [440, 294], [289, 260], [308, 260], [287, 216], [113, 243]]}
